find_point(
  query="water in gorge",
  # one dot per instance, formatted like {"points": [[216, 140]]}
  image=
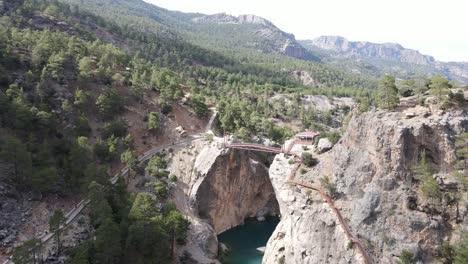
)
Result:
{"points": [[244, 240]]}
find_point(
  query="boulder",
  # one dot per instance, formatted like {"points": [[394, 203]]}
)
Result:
{"points": [[365, 208], [206, 239], [324, 145]]}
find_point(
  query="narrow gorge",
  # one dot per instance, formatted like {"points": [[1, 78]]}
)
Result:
{"points": [[368, 172], [220, 189]]}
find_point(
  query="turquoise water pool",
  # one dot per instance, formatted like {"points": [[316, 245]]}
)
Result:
{"points": [[245, 239]]}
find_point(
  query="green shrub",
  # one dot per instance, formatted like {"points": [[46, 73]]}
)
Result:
{"points": [[388, 240], [446, 252], [329, 186], [406, 257], [461, 249], [457, 97], [159, 187], [422, 101], [117, 127], [153, 121], [412, 202], [308, 160], [173, 178], [350, 245]]}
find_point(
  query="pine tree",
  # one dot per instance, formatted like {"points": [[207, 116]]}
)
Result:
{"points": [[429, 186], [461, 250], [461, 168], [439, 87], [28, 252], [422, 169], [16, 154], [153, 121], [130, 159], [178, 226], [156, 167], [387, 93], [56, 222], [107, 244]]}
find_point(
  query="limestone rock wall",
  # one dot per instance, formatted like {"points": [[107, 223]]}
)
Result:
{"points": [[217, 190], [237, 186], [370, 167]]}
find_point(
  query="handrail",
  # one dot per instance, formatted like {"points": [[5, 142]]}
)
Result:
{"points": [[337, 212], [325, 196]]}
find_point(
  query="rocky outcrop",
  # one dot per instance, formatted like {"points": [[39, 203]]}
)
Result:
{"points": [[324, 145], [268, 38], [237, 186], [305, 78], [389, 58], [223, 18], [369, 168], [13, 211], [218, 190], [392, 51], [308, 231]]}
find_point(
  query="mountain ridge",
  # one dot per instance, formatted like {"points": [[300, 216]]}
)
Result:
{"points": [[269, 38], [385, 58], [389, 50]]}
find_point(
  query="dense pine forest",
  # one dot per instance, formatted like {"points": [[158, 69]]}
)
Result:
{"points": [[69, 69]]}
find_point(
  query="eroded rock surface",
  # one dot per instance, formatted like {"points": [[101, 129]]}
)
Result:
{"points": [[369, 167], [218, 189], [236, 187]]}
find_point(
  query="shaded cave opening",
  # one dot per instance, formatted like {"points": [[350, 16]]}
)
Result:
{"points": [[238, 200]]}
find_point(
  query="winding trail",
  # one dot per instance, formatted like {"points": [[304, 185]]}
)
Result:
{"points": [[323, 193], [71, 215]]}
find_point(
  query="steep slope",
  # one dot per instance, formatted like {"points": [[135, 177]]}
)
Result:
{"points": [[218, 189], [369, 174], [246, 44], [253, 32], [246, 31], [385, 58], [389, 51]]}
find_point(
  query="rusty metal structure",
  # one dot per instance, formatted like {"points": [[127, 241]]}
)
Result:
{"points": [[298, 163]]}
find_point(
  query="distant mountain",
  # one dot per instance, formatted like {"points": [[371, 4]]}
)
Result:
{"points": [[390, 51], [239, 44], [386, 58], [257, 32], [223, 18]]}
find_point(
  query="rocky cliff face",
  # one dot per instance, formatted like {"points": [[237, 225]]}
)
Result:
{"points": [[223, 18], [392, 51], [369, 167], [237, 186], [217, 190], [391, 58]]}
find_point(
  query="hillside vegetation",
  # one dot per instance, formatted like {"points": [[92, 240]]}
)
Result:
{"points": [[72, 71]]}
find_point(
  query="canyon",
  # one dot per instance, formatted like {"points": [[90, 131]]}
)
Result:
{"points": [[370, 169]]}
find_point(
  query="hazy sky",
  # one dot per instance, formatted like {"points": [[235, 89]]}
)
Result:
{"points": [[434, 27]]}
